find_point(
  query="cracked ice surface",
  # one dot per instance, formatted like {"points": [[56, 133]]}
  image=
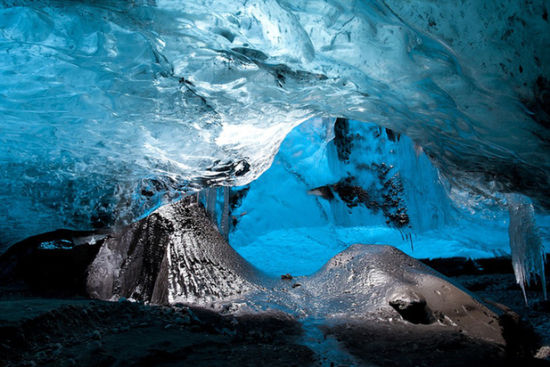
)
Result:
{"points": [[109, 108]]}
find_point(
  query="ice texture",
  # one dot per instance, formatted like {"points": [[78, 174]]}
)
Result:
{"points": [[391, 183], [283, 222], [528, 255], [111, 108]]}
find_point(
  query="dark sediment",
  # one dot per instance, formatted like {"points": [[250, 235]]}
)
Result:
{"points": [[81, 332], [416, 324], [51, 264], [493, 280]]}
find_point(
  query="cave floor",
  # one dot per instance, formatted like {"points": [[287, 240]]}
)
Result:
{"points": [[40, 331]]}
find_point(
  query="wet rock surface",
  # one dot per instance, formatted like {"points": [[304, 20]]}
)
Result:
{"points": [[174, 255], [83, 332], [369, 305], [493, 280]]}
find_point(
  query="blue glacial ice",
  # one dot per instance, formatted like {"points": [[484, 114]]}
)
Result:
{"points": [[281, 225], [110, 109]]}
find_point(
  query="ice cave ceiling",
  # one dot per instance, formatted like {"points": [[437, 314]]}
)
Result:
{"points": [[111, 107]]}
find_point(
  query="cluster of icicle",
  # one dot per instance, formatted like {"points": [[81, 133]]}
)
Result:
{"points": [[528, 255], [209, 198]]}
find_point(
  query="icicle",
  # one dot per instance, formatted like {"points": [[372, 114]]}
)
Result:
{"points": [[525, 243], [225, 214], [211, 195], [418, 150]]}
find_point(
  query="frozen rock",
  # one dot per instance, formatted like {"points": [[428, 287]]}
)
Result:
{"points": [[192, 264], [175, 255]]}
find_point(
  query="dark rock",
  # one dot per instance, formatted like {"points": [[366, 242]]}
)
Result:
{"points": [[236, 197], [457, 266], [542, 306], [392, 135], [343, 139], [387, 196], [323, 191], [174, 255], [96, 335], [434, 345], [412, 307], [52, 264], [521, 339]]}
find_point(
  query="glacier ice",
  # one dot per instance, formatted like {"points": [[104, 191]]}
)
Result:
{"points": [[111, 108], [528, 255], [281, 225]]}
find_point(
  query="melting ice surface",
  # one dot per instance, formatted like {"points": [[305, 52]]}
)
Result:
{"points": [[110, 108], [283, 226]]}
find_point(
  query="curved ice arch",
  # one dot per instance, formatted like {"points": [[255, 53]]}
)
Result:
{"points": [[109, 108]]}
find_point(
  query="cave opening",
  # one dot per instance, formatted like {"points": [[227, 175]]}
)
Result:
{"points": [[244, 182], [336, 182]]}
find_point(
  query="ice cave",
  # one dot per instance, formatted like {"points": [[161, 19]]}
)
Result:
{"points": [[274, 183]]}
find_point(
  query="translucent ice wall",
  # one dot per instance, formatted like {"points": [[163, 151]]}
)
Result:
{"points": [[110, 108], [382, 180], [333, 184]]}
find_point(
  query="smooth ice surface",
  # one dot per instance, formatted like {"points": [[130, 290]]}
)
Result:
{"points": [[110, 108], [303, 250], [281, 226]]}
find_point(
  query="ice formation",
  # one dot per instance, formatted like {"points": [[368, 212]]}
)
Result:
{"points": [[528, 255], [327, 190], [111, 108]]}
